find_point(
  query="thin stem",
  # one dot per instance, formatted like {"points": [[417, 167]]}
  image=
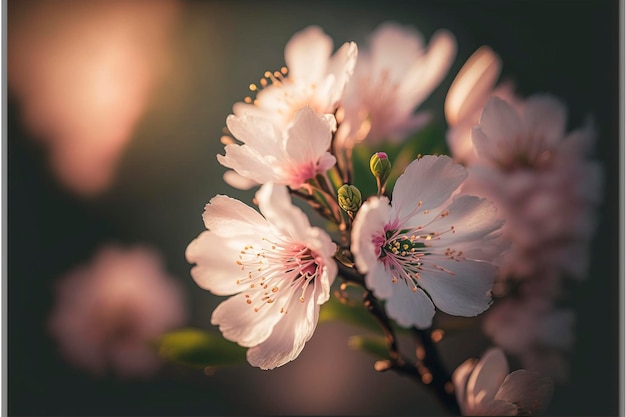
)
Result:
{"points": [[428, 369]]}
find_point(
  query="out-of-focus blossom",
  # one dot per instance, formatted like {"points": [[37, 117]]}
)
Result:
{"points": [[541, 179], [468, 94], [270, 154], [391, 79], [278, 268], [83, 73], [531, 328], [427, 242], [487, 388], [316, 78], [108, 312]]}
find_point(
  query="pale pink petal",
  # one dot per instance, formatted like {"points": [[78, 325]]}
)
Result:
{"points": [[308, 136], [341, 67], [545, 117], [249, 163], [463, 289], [257, 132], [472, 85], [288, 336], [240, 182], [427, 72], [487, 376], [216, 266], [426, 183], [243, 323], [275, 204], [496, 408], [471, 218], [307, 54], [394, 43], [500, 123], [369, 222], [223, 215], [378, 279], [530, 392], [410, 308]]}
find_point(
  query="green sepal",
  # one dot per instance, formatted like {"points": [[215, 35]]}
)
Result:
{"points": [[199, 349]]}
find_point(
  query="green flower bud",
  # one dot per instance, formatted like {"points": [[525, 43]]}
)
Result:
{"points": [[381, 168], [349, 198]]}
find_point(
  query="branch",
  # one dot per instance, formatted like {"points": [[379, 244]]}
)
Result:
{"points": [[428, 370]]}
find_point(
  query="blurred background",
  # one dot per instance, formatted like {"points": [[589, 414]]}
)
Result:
{"points": [[115, 110]]}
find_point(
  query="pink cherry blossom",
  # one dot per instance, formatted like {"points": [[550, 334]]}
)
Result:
{"points": [[108, 311], [426, 242], [487, 388], [277, 268], [391, 79], [316, 78], [270, 154]]}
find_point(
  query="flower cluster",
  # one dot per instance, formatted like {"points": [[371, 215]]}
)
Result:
{"points": [[445, 237], [540, 177]]}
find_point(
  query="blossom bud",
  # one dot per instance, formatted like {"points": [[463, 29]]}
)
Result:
{"points": [[381, 168], [349, 198]]}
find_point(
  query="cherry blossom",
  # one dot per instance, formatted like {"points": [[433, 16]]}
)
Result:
{"points": [[392, 78], [487, 388], [427, 248], [108, 311], [270, 154], [277, 268], [313, 77]]}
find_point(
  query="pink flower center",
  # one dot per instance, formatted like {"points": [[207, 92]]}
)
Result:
{"points": [[275, 268]]}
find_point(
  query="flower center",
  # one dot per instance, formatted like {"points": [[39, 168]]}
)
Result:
{"points": [[409, 252], [276, 268]]}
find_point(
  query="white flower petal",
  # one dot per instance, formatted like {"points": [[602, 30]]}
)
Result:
{"points": [[426, 183], [308, 136], [288, 336], [369, 222], [307, 54], [378, 279], [240, 182], [465, 292], [341, 67], [248, 163], [240, 322], [216, 269], [471, 217], [223, 215], [255, 131], [275, 204], [410, 308]]}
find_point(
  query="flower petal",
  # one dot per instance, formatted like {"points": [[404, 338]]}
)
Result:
{"points": [[459, 379], [248, 163], [307, 54], [378, 279], [275, 204], [545, 117], [409, 308], [308, 136], [288, 336], [487, 376], [369, 223], [216, 269], [426, 183], [501, 125], [225, 215], [463, 289], [240, 322], [531, 392]]}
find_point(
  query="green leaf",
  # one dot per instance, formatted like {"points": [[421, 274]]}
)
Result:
{"points": [[356, 315], [374, 345], [197, 348]]}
